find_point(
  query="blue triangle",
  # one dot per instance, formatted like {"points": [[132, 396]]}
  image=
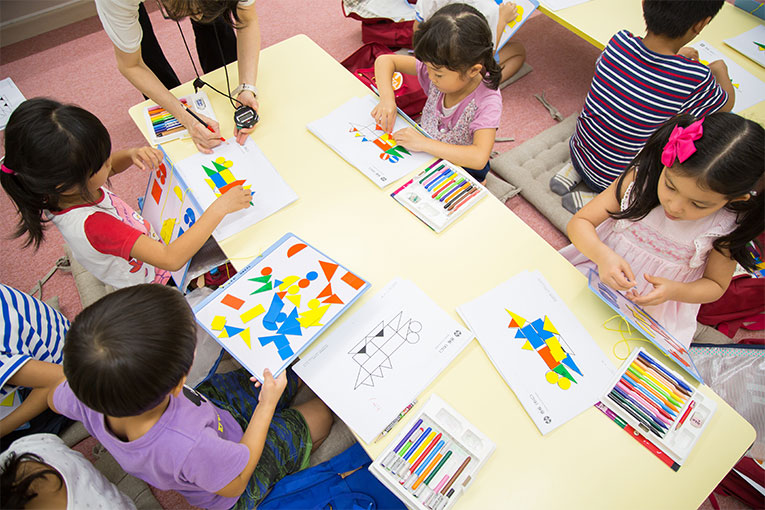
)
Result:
{"points": [[231, 330], [570, 364], [519, 334], [277, 283]]}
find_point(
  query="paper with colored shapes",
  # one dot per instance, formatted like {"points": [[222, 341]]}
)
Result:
{"points": [[524, 8], [749, 89], [210, 175], [545, 355], [354, 135], [643, 322], [382, 357], [278, 304], [751, 44]]}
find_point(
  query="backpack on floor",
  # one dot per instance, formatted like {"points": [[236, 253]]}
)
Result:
{"points": [[742, 306], [324, 487], [394, 34], [409, 94]]}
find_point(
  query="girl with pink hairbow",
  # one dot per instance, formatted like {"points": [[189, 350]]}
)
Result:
{"points": [[670, 230]]}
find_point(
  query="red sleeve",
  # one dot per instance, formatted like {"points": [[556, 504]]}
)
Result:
{"points": [[110, 235]]}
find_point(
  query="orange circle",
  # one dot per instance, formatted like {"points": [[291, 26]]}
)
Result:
{"points": [[265, 271], [398, 80], [303, 283]]}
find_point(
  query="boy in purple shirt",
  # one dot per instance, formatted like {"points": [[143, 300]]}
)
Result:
{"points": [[126, 359]]}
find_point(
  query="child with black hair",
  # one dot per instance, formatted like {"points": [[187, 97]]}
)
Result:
{"points": [[454, 62], [640, 83], [670, 230], [126, 359], [57, 160]]}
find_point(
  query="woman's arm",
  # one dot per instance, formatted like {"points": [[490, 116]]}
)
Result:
{"points": [[248, 55]]}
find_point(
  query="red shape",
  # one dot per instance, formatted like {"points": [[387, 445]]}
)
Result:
{"points": [[513, 324], [231, 185], [547, 356], [333, 299], [156, 192], [326, 292], [281, 294], [294, 249], [329, 269], [353, 280], [304, 283], [266, 270], [232, 301]]}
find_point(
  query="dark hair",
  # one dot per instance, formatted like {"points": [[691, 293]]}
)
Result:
{"points": [[204, 11], [458, 37], [673, 18], [728, 160], [50, 148], [125, 352], [15, 492]]}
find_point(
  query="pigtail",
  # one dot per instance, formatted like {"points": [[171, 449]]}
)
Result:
{"points": [[493, 74], [30, 206]]}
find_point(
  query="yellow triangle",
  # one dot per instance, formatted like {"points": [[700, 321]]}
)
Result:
{"points": [[295, 299], [223, 334], [517, 318], [527, 346], [8, 400], [246, 337], [548, 326]]}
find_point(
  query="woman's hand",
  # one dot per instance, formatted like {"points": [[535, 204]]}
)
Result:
{"points": [[202, 137], [247, 98]]}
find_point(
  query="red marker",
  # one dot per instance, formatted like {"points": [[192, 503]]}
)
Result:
{"points": [[686, 413], [205, 124]]}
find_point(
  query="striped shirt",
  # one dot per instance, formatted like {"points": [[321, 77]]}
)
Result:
{"points": [[633, 92], [31, 330]]}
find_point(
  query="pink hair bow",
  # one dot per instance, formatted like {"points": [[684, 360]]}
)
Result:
{"points": [[680, 143]]}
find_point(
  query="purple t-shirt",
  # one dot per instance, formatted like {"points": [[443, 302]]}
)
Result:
{"points": [[481, 109], [193, 449]]}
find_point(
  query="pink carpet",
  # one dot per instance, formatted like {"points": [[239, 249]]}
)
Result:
{"points": [[76, 64]]}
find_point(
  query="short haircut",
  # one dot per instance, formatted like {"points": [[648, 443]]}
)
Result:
{"points": [[673, 18], [128, 350], [16, 489]]}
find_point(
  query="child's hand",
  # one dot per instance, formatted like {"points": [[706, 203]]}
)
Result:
{"points": [[688, 52], [272, 388], [385, 115], [233, 200], [718, 67], [663, 290], [146, 157], [508, 11], [411, 139], [616, 273]]}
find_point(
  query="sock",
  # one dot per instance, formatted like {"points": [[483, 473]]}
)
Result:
{"points": [[565, 179], [574, 201]]}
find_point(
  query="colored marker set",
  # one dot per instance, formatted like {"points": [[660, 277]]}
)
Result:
{"points": [[659, 404], [440, 194], [163, 126], [435, 458]]}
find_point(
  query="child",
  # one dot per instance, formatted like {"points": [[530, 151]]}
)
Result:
{"points": [[453, 60], [126, 358], [56, 164], [639, 84], [511, 56], [40, 471], [672, 228], [30, 360]]}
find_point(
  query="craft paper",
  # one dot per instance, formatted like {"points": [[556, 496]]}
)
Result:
{"points": [[557, 5], [10, 98], [524, 9], [378, 360], [545, 355], [278, 304], [643, 322], [749, 89], [745, 44], [355, 136], [207, 176]]}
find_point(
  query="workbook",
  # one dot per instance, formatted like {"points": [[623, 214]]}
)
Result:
{"points": [[271, 310], [524, 9], [749, 89], [351, 132], [178, 194], [750, 44], [382, 357], [545, 355], [643, 322], [164, 127]]}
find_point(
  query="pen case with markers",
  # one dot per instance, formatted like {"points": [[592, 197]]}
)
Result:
{"points": [[435, 458], [659, 403]]}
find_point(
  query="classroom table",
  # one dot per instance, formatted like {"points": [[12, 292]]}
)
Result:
{"points": [[596, 21], [588, 462]]}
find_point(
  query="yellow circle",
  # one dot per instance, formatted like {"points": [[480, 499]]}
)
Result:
{"points": [[551, 377], [564, 383], [313, 303], [294, 289]]}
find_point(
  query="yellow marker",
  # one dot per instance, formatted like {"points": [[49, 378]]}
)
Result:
{"points": [[419, 450]]}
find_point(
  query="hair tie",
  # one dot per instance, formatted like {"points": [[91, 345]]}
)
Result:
{"points": [[753, 193], [6, 170], [680, 143]]}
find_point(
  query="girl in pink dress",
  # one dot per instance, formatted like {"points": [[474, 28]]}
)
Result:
{"points": [[670, 230]]}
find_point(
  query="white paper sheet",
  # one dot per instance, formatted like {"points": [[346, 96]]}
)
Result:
{"points": [[536, 343], [352, 133], [239, 162], [745, 44], [10, 98], [378, 360], [557, 5], [749, 89]]}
